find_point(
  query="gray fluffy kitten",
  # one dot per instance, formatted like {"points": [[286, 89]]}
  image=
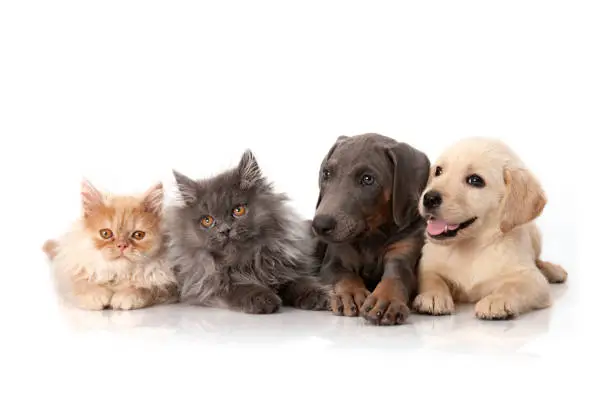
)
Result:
{"points": [[235, 243]]}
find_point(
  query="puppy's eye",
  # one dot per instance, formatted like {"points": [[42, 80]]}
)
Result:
{"points": [[207, 221], [438, 171], [367, 180], [326, 174], [475, 180], [138, 235], [239, 211], [106, 233]]}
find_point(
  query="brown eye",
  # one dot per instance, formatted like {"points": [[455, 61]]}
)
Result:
{"points": [[438, 171], [239, 211], [207, 221], [138, 235], [106, 233]]}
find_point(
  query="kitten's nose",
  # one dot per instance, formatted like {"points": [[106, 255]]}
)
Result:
{"points": [[122, 245], [224, 229]]}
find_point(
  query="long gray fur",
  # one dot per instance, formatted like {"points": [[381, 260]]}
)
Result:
{"points": [[263, 259]]}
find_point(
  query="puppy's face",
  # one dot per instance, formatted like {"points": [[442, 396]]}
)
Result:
{"points": [[476, 185], [354, 195], [365, 182]]}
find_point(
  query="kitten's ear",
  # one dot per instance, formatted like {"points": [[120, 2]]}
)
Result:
{"points": [[249, 170], [187, 187], [91, 197], [153, 200]]}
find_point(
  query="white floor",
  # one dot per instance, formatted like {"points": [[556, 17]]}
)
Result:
{"points": [[178, 354]]}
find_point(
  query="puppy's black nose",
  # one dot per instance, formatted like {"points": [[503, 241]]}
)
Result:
{"points": [[323, 224], [432, 199]]}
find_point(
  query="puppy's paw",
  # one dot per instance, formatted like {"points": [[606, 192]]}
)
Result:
{"points": [[434, 303], [380, 310], [127, 299], [554, 273], [348, 301], [496, 307], [262, 301], [95, 298]]}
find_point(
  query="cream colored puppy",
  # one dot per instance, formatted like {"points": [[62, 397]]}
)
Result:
{"points": [[482, 244]]}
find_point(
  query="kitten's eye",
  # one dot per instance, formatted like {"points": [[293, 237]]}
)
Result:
{"points": [[239, 211], [138, 235], [326, 174], [367, 180], [207, 221], [106, 233], [475, 181], [438, 171]]}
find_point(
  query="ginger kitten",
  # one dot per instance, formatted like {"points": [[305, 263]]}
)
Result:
{"points": [[113, 257]]}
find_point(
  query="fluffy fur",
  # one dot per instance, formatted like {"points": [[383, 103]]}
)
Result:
{"points": [[114, 255], [482, 244], [251, 261]]}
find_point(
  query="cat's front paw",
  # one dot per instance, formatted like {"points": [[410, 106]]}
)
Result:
{"points": [[95, 298], [263, 301], [316, 299], [127, 299]]}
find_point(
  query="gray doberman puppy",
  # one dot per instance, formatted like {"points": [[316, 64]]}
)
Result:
{"points": [[370, 230]]}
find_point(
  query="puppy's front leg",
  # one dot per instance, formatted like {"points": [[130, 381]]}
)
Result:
{"points": [[348, 290], [388, 304], [434, 295], [348, 295]]}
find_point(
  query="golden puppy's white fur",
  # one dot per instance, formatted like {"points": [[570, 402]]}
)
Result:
{"points": [[482, 245]]}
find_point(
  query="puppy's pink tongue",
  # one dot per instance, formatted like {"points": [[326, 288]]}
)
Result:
{"points": [[437, 227]]}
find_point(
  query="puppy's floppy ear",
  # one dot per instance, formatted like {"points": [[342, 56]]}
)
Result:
{"points": [[524, 199], [186, 187], [410, 175], [339, 140], [250, 173]]}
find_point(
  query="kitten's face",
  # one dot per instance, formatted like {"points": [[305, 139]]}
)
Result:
{"points": [[124, 228], [229, 212]]}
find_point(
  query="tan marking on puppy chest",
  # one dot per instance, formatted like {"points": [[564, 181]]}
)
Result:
{"points": [[382, 212], [400, 249]]}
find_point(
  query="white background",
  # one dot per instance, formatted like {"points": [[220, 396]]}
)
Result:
{"points": [[121, 92]]}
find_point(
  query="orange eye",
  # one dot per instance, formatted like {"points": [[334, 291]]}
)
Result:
{"points": [[239, 211], [138, 235], [106, 233], [207, 221]]}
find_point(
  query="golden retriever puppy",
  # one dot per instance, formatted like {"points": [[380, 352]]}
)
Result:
{"points": [[482, 245]]}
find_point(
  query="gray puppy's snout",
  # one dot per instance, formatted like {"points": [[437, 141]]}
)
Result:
{"points": [[323, 224]]}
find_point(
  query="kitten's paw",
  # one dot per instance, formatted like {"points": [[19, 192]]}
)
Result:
{"points": [[127, 299], [263, 301], [315, 299], [95, 298], [434, 303], [496, 307]]}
